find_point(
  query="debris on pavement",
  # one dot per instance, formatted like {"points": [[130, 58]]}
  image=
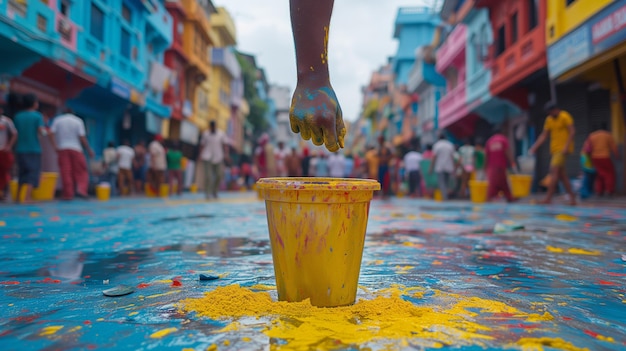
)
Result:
{"points": [[500, 228], [205, 277], [119, 290]]}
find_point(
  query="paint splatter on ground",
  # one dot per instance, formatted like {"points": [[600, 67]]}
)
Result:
{"points": [[558, 283]]}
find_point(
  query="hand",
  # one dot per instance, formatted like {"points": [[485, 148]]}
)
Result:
{"points": [[315, 114], [531, 151], [91, 153]]}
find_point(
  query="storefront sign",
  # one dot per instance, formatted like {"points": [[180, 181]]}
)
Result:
{"points": [[608, 28], [601, 32], [120, 88]]}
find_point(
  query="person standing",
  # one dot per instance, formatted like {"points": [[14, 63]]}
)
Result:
{"points": [[213, 153], [29, 125], [349, 167], [371, 162], [337, 165], [321, 165], [467, 161], [559, 125], [306, 162], [498, 157], [479, 160], [125, 155], [383, 158], [281, 155], [8, 138], [139, 166], [111, 167], [412, 161], [174, 168], [68, 138], [158, 163], [293, 164], [600, 146], [443, 164]]}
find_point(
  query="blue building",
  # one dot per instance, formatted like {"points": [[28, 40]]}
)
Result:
{"points": [[101, 58], [430, 87], [414, 27]]}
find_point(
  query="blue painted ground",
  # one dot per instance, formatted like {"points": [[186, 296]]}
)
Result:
{"points": [[57, 258]]}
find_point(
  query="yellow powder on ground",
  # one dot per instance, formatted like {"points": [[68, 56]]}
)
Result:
{"points": [[537, 344], [384, 317]]}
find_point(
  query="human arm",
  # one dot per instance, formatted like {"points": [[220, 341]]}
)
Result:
{"points": [[542, 138], [614, 148], [85, 143], [432, 164], [509, 156], [315, 112], [13, 139], [571, 131]]}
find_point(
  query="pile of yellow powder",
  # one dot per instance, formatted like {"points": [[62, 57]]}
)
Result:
{"points": [[386, 318]]}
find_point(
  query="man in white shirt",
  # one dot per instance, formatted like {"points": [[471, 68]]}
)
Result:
{"points": [[336, 165], [8, 137], [281, 157], [444, 164], [68, 137], [213, 152], [158, 163], [412, 162], [109, 158], [125, 155]]}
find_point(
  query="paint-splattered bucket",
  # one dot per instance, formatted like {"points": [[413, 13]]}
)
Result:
{"points": [[317, 231], [193, 188], [103, 191]]}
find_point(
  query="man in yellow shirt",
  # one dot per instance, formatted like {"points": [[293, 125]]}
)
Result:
{"points": [[560, 125]]}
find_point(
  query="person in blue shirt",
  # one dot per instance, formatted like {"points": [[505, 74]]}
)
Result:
{"points": [[29, 124]]}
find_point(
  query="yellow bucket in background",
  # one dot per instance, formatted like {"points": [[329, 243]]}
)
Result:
{"points": [[193, 188], [437, 195], [103, 192], [520, 184], [164, 190], [478, 191], [317, 232], [47, 186]]}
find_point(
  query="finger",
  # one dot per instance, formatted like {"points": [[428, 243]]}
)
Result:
{"points": [[340, 127], [330, 139], [317, 136], [305, 131], [295, 125]]}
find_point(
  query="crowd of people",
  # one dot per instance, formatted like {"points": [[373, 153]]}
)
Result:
{"points": [[442, 169]]}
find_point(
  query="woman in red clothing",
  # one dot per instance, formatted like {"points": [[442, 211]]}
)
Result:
{"points": [[498, 158]]}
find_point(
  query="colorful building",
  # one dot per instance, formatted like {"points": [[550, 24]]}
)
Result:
{"points": [[429, 87], [587, 63]]}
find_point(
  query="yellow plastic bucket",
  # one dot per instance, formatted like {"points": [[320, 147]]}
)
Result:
{"points": [[164, 190], [103, 192], [317, 232], [478, 191], [47, 186], [437, 195], [520, 184], [193, 188]]}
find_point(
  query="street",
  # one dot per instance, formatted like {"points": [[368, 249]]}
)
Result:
{"points": [[492, 276]]}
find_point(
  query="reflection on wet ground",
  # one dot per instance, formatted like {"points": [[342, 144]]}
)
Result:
{"points": [[56, 259]]}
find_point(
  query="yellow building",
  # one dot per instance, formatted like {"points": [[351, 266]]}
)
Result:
{"points": [[587, 61], [197, 43], [224, 68]]}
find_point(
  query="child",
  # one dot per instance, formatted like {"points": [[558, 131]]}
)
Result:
{"points": [[174, 167]]}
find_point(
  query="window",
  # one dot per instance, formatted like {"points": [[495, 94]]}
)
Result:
{"points": [[126, 14], [514, 28], [532, 14], [42, 23], [96, 28], [125, 43], [64, 7], [501, 42]]}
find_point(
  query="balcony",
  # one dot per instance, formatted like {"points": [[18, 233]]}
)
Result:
{"points": [[452, 52], [519, 61], [478, 84], [32, 23], [224, 57], [225, 26], [159, 26], [453, 106], [197, 14]]}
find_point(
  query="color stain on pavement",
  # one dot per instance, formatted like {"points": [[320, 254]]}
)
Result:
{"points": [[434, 276]]}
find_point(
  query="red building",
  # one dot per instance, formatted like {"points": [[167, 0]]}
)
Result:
{"points": [[177, 61]]}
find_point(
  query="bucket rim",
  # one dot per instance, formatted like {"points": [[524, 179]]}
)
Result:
{"points": [[315, 183]]}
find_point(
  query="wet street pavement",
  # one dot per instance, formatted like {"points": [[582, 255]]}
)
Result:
{"points": [[547, 278]]}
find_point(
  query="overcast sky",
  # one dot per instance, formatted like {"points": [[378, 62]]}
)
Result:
{"points": [[360, 41]]}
